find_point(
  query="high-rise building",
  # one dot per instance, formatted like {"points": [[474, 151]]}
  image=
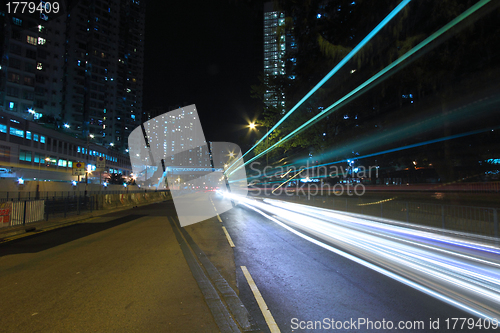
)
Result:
{"points": [[81, 68], [104, 70], [31, 63], [279, 46], [274, 53]]}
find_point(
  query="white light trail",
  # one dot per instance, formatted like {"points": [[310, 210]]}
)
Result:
{"points": [[460, 269]]}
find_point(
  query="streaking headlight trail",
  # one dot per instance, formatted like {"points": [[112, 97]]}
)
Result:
{"points": [[458, 268]]}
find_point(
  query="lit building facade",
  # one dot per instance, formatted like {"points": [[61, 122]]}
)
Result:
{"points": [[31, 151], [274, 54], [279, 56], [32, 64], [82, 69], [104, 65]]}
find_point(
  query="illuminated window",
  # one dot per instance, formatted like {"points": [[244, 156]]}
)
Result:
{"points": [[25, 155], [35, 137], [62, 163], [12, 77], [31, 40], [42, 139], [17, 21], [70, 164], [16, 132], [28, 135], [3, 128], [39, 158], [39, 66], [41, 41]]}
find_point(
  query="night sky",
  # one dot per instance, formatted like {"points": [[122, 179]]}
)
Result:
{"points": [[206, 53]]}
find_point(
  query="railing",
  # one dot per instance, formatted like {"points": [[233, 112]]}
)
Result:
{"points": [[51, 195], [477, 220], [27, 212], [63, 204]]}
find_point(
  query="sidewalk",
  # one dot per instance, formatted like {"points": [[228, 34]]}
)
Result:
{"points": [[147, 274]]}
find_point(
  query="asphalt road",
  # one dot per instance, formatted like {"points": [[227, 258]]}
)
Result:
{"points": [[123, 272], [303, 282]]}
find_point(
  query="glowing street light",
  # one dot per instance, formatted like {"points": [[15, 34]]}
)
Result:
{"points": [[66, 125], [253, 126]]}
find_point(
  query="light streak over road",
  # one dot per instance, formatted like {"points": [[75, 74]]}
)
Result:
{"points": [[370, 83], [458, 268], [348, 57]]}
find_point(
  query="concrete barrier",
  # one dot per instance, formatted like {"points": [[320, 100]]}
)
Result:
{"points": [[110, 201]]}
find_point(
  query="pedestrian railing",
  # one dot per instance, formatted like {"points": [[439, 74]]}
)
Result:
{"points": [[48, 195], [22, 212]]}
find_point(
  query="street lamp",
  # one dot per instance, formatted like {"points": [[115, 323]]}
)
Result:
{"points": [[253, 126]]}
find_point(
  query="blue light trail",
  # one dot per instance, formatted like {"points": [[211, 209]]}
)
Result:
{"points": [[348, 57]]}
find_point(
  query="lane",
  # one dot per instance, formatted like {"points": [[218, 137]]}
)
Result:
{"points": [[301, 280], [120, 273]]}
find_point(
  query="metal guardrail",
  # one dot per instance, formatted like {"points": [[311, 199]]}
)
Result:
{"points": [[24, 212], [477, 220], [61, 204], [51, 195]]}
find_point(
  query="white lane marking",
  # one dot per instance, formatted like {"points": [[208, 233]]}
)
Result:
{"points": [[273, 327], [230, 241]]}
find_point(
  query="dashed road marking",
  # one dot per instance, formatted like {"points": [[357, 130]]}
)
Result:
{"points": [[273, 327], [219, 218]]}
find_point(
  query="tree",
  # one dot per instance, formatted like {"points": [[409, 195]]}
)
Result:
{"points": [[455, 70]]}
